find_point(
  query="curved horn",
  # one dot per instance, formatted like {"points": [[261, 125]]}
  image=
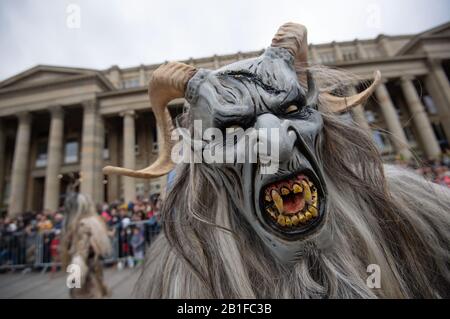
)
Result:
{"points": [[168, 82], [293, 37], [338, 104]]}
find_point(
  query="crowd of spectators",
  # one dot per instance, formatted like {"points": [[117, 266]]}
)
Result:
{"points": [[132, 226], [436, 170]]}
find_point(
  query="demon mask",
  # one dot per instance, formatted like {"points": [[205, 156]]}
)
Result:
{"points": [[272, 91]]}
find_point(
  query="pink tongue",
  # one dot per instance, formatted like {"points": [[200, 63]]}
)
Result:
{"points": [[293, 204]]}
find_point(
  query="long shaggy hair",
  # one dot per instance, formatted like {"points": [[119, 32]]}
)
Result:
{"points": [[378, 214], [80, 211]]}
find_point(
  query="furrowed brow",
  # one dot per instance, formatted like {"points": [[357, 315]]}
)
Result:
{"points": [[249, 76]]}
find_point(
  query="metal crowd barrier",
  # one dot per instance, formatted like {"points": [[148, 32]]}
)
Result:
{"points": [[13, 250], [40, 251]]}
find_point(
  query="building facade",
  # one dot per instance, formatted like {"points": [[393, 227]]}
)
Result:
{"points": [[56, 121]]}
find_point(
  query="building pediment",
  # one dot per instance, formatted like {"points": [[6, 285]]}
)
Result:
{"points": [[43, 74], [414, 46]]}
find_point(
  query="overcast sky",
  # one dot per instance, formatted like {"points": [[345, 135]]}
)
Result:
{"points": [[98, 34]]}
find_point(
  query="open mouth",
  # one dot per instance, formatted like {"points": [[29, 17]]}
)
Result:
{"points": [[292, 203]]}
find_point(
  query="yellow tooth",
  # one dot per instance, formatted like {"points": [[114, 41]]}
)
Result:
{"points": [[294, 220], [308, 215], [313, 211], [288, 221], [278, 201], [297, 188], [285, 191], [301, 218], [281, 220], [272, 213], [307, 192], [268, 198]]}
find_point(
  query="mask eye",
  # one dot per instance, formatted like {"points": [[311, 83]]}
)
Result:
{"points": [[291, 109]]}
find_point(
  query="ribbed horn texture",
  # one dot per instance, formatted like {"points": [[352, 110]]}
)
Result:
{"points": [[168, 82], [293, 37], [338, 104]]}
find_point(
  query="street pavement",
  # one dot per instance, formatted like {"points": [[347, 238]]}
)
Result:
{"points": [[38, 285]]}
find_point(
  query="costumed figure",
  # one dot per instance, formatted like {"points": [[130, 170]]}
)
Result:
{"points": [[311, 229], [85, 242]]}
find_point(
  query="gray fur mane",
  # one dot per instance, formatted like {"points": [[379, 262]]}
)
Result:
{"points": [[378, 214]]}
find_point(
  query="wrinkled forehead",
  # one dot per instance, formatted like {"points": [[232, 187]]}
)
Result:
{"points": [[263, 82]]}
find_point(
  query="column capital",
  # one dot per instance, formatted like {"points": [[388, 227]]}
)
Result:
{"points": [[90, 104], [56, 110], [128, 113], [434, 63], [384, 80], [24, 116], [407, 78]]}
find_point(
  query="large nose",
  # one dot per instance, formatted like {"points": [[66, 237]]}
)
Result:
{"points": [[279, 131]]}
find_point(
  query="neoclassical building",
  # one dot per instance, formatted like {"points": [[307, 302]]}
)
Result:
{"points": [[56, 121]]}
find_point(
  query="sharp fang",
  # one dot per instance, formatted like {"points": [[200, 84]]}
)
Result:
{"points": [[313, 211], [272, 213], [285, 191], [307, 192], [278, 201], [297, 188], [281, 220]]}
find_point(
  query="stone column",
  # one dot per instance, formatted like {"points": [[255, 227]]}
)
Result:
{"points": [[129, 156], [439, 88], [20, 165], [443, 82], [54, 151], [358, 114], [392, 121], [89, 148], [2, 159], [99, 162], [113, 142], [420, 118]]}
